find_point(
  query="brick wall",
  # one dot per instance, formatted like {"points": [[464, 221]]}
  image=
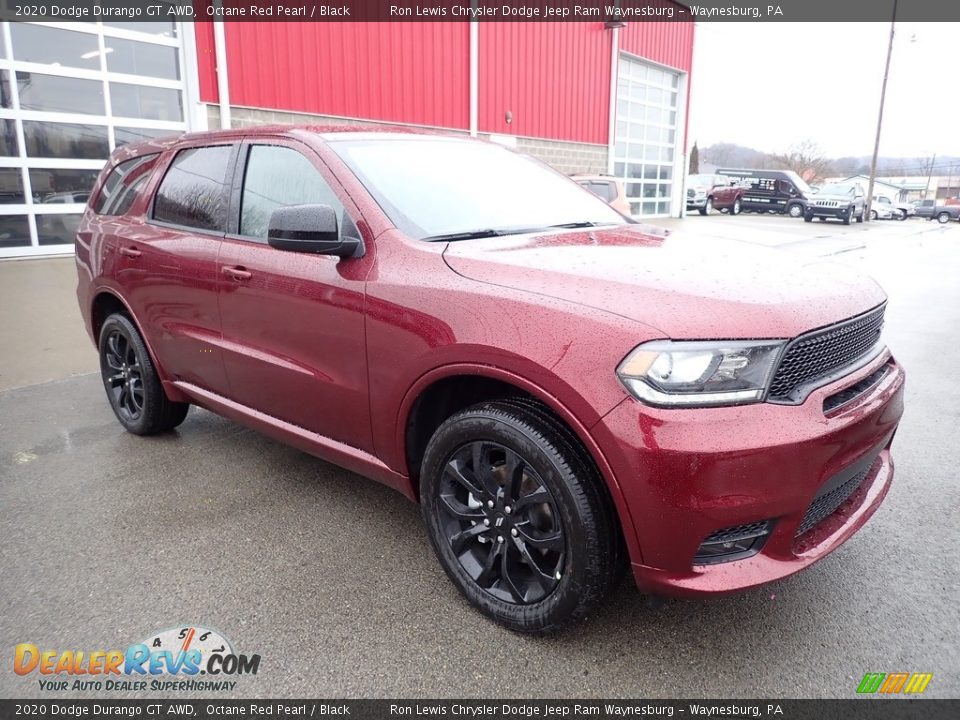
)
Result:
{"points": [[567, 157]]}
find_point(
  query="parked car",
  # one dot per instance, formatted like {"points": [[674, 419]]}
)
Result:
{"points": [[931, 210], [882, 208], [565, 393], [608, 189], [776, 191], [706, 192], [841, 201]]}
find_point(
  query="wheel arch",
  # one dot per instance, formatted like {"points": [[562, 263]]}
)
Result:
{"points": [[105, 302], [484, 382]]}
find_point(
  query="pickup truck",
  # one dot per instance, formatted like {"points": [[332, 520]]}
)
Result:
{"points": [[709, 192], [930, 210]]}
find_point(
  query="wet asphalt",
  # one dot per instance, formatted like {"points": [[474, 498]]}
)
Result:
{"points": [[106, 538]]}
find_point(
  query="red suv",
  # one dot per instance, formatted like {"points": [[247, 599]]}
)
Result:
{"points": [[562, 390]]}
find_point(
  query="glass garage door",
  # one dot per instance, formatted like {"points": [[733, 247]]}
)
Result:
{"points": [[69, 94], [646, 135]]}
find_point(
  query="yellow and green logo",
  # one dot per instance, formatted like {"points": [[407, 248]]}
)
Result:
{"points": [[893, 683]]}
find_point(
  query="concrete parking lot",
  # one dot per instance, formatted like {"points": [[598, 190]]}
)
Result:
{"points": [[106, 537]]}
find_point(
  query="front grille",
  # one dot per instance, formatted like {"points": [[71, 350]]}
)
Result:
{"points": [[855, 390], [826, 203], [821, 353], [826, 504]]}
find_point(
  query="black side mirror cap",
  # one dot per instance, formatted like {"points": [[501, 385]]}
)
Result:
{"points": [[310, 229]]}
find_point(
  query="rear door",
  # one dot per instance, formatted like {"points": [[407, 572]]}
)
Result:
{"points": [[293, 323], [168, 263]]}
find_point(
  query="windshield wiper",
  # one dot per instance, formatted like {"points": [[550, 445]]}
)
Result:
{"points": [[482, 233], [581, 224], [466, 235]]}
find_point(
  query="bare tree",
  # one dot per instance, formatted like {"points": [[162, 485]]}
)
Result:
{"points": [[807, 160]]}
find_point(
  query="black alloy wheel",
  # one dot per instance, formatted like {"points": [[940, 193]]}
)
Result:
{"points": [[502, 522], [124, 382], [133, 387], [518, 515]]}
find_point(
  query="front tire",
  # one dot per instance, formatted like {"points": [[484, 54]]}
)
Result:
{"points": [[705, 210], [517, 517], [133, 387], [808, 218], [735, 208], [848, 217]]}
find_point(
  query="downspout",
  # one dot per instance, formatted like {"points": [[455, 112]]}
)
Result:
{"points": [[223, 84], [474, 75], [611, 130]]}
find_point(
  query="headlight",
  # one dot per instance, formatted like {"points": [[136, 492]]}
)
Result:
{"points": [[680, 373]]}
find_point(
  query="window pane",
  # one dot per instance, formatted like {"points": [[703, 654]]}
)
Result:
{"points": [[127, 135], [164, 29], [60, 94], [124, 182], [11, 186], [57, 229], [8, 139], [140, 58], [55, 186], [6, 100], [14, 231], [192, 192], [57, 140], [277, 177], [150, 103], [33, 43]]}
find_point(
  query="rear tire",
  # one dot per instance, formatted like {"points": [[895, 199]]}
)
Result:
{"points": [[133, 387], [517, 519], [943, 218], [795, 210]]}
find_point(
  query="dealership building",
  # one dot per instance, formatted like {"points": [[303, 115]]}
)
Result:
{"points": [[583, 96]]}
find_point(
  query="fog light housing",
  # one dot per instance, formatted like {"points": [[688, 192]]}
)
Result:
{"points": [[733, 543]]}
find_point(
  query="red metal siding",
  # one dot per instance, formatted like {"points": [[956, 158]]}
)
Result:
{"points": [[667, 43], [553, 76], [400, 72], [206, 62]]}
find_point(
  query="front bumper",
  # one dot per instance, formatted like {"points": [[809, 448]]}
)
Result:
{"points": [[834, 212], [687, 473], [695, 203]]}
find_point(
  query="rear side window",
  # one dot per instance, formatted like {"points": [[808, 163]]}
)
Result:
{"points": [[193, 192], [123, 184], [275, 177]]}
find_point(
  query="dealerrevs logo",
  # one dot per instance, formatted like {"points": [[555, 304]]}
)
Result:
{"points": [[168, 660]]}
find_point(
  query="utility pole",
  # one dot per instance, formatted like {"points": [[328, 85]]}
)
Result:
{"points": [[926, 188], [883, 96]]}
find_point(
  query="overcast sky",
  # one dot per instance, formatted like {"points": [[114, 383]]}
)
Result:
{"points": [[768, 85]]}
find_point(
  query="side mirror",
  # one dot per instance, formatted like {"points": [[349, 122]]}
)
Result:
{"points": [[309, 229]]}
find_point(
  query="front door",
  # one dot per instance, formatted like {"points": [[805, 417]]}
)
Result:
{"points": [[293, 324]]}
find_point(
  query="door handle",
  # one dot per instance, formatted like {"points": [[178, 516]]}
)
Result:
{"points": [[237, 273], [131, 252]]}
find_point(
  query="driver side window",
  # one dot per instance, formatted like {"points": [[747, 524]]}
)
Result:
{"points": [[278, 176]]}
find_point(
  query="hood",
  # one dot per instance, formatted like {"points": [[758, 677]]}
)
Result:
{"points": [[684, 286]]}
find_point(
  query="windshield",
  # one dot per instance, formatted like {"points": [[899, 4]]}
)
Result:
{"points": [[837, 189], [436, 187], [798, 181], [700, 180]]}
